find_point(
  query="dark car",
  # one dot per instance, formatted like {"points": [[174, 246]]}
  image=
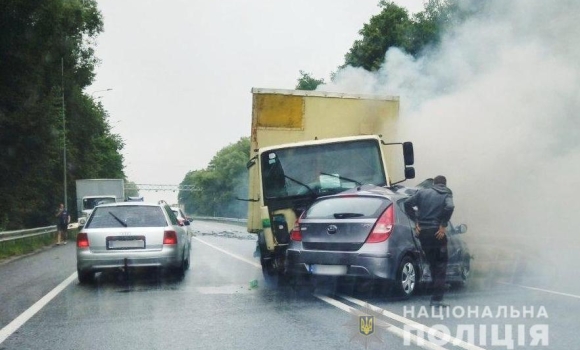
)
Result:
{"points": [[365, 233]]}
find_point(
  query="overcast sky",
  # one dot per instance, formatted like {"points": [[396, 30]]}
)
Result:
{"points": [[181, 71]]}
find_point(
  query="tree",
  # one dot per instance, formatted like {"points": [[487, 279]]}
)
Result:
{"points": [[387, 29], [131, 189], [308, 82], [46, 60], [217, 186]]}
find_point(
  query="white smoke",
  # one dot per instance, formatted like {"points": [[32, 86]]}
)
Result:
{"points": [[495, 107]]}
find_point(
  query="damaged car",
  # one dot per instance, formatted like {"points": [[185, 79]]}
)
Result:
{"points": [[365, 233]]}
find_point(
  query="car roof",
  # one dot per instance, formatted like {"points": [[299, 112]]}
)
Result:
{"points": [[131, 204], [371, 190]]}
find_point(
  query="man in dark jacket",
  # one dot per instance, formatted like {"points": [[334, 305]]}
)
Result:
{"points": [[63, 219], [434, 209]]}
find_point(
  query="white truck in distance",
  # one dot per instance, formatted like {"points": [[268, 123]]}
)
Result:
{"points": [[307, 144], [92, 192]]}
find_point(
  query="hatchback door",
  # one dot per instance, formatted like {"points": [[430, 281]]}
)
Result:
{"points": [[341, 223]]}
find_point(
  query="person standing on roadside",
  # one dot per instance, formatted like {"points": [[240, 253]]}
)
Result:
{"points": [[434, 209], [63, 219]]}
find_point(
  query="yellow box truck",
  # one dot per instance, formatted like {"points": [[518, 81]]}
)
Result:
{"points": [[307, 144]]}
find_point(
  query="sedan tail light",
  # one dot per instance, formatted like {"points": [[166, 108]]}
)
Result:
{"points": [[295, 234], [82, 240], [383, 227], [170, 237]]}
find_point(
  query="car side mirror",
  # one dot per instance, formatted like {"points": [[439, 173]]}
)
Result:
{"points": [[461, 228], [186, 222]]}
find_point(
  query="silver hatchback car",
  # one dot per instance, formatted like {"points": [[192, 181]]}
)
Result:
{"points": [[132, 234]]}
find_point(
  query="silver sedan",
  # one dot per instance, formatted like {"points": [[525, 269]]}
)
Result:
{"points": [[132, 234]]}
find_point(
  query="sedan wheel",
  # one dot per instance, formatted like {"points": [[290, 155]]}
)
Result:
{"points": [[85, 277]]}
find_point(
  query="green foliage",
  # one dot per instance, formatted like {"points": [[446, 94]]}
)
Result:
{"points": [[308, 82], [219, 184], [46, 60], [387, 29], [131, 189], [394, 27]]}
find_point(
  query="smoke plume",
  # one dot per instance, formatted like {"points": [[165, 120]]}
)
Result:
{"points": [[495, 107]]}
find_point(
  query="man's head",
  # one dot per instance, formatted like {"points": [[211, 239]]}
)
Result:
{"points": [[61, 206], [440, 180]]}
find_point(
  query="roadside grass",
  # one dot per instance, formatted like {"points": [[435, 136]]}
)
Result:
{"points": [[23, 246]]}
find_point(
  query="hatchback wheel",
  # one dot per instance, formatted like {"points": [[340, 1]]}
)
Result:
{"points": [[407, 277]]}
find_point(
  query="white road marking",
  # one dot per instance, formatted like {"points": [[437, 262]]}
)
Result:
{"points": [[31, 311], [253, 263], [411, 323], [419, 341], [395, 330], [542, 290]]}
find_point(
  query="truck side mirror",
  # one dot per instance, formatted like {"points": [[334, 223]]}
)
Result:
{"points": [[409, 172], [409, 155], [251, 162]]}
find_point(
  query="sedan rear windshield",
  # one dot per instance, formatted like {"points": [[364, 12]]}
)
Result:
{"points": [[347, 207], [127, 216]]}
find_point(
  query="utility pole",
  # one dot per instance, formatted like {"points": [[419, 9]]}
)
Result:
{"points": [[65, 202]]}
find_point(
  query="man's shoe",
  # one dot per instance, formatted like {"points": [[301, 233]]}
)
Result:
{"points": [[438, 304]]}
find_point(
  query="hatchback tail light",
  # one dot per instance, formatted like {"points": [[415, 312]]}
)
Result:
{"points": [[295, 234], [170, 237], [82, 240], [383, 227]]}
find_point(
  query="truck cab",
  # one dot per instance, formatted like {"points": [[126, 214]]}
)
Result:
{"points": [[307, 144], [90, 202]]}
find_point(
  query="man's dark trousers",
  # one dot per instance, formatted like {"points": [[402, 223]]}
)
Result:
{"points": [[437, 257]]}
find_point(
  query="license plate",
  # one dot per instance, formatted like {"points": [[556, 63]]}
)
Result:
{"points": [[331, 270], [126, 242]]}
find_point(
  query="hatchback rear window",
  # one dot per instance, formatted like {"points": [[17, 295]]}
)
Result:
{"points": [[347, 207], [127, 216]]}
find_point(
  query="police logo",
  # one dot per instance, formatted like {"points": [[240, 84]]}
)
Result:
{"points": [[367, 325]]}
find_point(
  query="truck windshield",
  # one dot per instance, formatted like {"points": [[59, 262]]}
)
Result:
{"points": [[321, 169], [91, 203]]}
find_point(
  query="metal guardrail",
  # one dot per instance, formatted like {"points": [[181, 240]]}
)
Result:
{"points": [[19, 234]]}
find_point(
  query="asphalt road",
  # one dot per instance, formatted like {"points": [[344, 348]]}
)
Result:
{"points": [[218, 306]]}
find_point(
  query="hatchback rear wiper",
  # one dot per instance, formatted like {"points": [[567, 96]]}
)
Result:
{"points": [[347, 215], [119, 220]]}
